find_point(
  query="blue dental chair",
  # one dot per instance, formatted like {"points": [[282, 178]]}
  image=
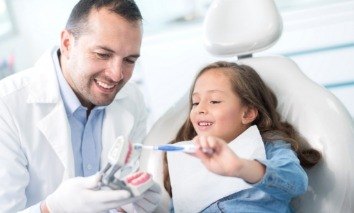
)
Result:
{"points": [[231, 29]]}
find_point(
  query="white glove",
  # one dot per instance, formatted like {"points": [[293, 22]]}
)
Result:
{"points": [[149, 200], [79, 195]]}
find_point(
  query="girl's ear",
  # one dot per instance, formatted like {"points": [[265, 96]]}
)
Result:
{"points": [[249, 115]]}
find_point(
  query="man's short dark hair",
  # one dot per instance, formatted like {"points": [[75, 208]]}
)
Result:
{"points": [[78, 18]]}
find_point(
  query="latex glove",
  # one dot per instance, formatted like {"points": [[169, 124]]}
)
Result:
{"points": [[149, 200], [79, 195]]}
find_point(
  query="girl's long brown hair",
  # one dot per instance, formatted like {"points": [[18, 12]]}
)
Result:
{"points": [[247, 84]]}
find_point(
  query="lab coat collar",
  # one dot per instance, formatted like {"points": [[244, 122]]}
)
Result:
{"points": [[56, 129], [44, 87]]}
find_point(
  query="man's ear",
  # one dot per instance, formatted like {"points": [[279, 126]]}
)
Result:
{"points": [[249, 115], [66, 42]]}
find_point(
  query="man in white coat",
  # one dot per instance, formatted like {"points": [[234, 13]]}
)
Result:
{"points": [[59, 118]]}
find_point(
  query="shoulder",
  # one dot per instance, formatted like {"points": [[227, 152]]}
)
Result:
{"points": [[15, 82], [21, 80], [277, 144], [278, 148]]}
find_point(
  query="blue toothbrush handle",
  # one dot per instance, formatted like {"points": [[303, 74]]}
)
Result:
{"points": [[168, 148]]}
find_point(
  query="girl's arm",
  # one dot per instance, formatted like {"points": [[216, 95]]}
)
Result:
{"points": [[284, 177], [280, 175]]}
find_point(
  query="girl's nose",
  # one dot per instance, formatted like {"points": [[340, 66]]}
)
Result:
{"points": [[201, 109]]}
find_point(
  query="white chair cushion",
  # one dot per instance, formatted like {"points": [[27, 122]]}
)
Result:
{"points": [[315, 113], [239, 27]]}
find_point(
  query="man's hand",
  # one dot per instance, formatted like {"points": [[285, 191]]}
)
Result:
{"points": [[79, 194]]}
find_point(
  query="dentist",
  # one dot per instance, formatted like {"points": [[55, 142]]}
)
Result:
{"points": [[59, 118]]}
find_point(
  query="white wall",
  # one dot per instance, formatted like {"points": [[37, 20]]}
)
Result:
{"points": [[320, 40], [37, 26]]}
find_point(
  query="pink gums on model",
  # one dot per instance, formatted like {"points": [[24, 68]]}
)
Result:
{"points": [[139, 182]]}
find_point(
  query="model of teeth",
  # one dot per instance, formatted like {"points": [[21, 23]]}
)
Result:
{"points": [[119, 156], [138, 182]]}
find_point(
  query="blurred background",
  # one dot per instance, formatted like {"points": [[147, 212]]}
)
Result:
{"points": [[317, 34]]}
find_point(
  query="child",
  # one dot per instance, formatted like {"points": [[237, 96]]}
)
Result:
{"points": [[225, 101]]}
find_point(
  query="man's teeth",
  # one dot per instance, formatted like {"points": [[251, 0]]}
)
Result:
{"points": [[104, 85], [205, 123]]}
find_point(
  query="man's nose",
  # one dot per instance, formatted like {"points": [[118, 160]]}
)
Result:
{"points": [[115, 71]]}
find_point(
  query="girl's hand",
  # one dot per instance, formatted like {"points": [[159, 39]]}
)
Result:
{"points": [[222, 160]]}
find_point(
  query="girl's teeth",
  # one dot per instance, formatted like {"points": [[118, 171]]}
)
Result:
{"points": [[205, 123]]}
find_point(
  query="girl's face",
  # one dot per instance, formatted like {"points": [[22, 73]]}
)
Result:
{"points": [[217, 110]]}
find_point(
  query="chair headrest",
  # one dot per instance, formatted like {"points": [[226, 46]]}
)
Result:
{"points": [[241, 27]]}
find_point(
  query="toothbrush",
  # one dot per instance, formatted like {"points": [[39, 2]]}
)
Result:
{"points": [[187, 148]]}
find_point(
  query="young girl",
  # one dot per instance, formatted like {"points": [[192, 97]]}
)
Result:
{"points": [[225, 101]]}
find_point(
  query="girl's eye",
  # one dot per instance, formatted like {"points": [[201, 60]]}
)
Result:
{"points": [[103, 55], [195, 103], [215, 102]]}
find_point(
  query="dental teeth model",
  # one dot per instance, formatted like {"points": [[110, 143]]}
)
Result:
{"points": [[138, 182], [118, 157]]}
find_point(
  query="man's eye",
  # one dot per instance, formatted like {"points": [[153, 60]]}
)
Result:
{"points": [[195, 103], [103, 55], [130, 61]]}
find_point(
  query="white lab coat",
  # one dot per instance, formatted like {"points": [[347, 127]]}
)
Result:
{"points": [[35, 143]]}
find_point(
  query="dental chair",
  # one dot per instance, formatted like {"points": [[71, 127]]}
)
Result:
{"points": [[242, 28]]}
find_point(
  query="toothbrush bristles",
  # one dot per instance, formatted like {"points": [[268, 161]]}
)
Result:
{"points": [[138, 146]]}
